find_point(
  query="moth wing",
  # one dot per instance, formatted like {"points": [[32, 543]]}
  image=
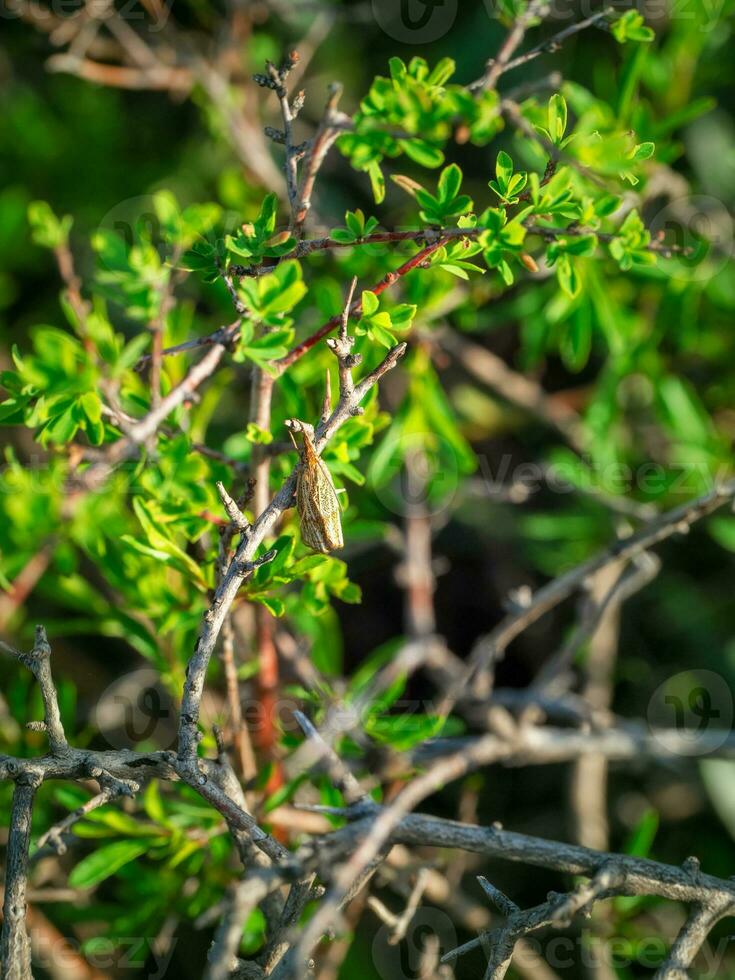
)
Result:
{"points": [[319, 510]]}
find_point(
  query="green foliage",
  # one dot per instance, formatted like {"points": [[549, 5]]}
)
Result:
{"points": [[258, 240], [356, 228], [631, 27], [418, 101], [502, 241], [383, 326], [447, 202], [46, 229], [507, 185], [556, 125], [562, 253], [629, 247]]}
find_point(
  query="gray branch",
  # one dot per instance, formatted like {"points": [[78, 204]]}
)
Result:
{"points": [[244, 562], [676, 521], [38, 661], [15, 946]]}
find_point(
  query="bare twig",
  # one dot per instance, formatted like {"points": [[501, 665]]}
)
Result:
{"points": [[399, 923], [38, 661], [499, 64], [552, 44], [325, 136], [276, 79], [245, 561], [113, 788], [676, 521]]}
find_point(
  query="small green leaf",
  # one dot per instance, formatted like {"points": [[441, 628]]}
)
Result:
{"points": [[644, 151], [503, 168], [557, 117], [105, 861], [48, 230], [377, 181], [370, 303], [450, 182], [424, 153]]}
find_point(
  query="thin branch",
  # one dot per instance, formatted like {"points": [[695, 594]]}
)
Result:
{"points": [[329, 130], [25, 582], [371, 846], [322, 752], [143, 430], [646, 567], [642, 875], [499, 64], [38, 661], [676, 521], [692, 936], [430, 239], [276, 79], [245, 561], [113, 788], [535, 745], [417, 260], [341, 346], [399, 924], [558, 910], [238, 520], [280, 940], [554, 43], [244, 897]]}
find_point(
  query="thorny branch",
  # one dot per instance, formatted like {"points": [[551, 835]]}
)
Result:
{"points": [[676, 521], [245, 561]]}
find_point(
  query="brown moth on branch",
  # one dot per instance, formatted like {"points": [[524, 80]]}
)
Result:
{"points": [[316, 498]]}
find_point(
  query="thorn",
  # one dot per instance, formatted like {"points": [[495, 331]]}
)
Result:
{"points": [[347, 308], [327, 403]]}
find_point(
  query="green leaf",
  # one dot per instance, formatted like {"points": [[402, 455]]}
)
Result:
{"points": [[424, 153], [557, 116], [370, 303], [266, 221], [342, 235], [105, 861], [442, 71], [644, 151], [503, 168], [450, 182], [92, 405], [377, 181], [275, 606], [567, 276], [641, 840], [46, 229], [631, 27], [577, 343]]}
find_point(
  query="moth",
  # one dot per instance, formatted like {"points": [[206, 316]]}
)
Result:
{"points": [[316, 497]]}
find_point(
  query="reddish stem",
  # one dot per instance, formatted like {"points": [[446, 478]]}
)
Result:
{"points": [[356, 308]]}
